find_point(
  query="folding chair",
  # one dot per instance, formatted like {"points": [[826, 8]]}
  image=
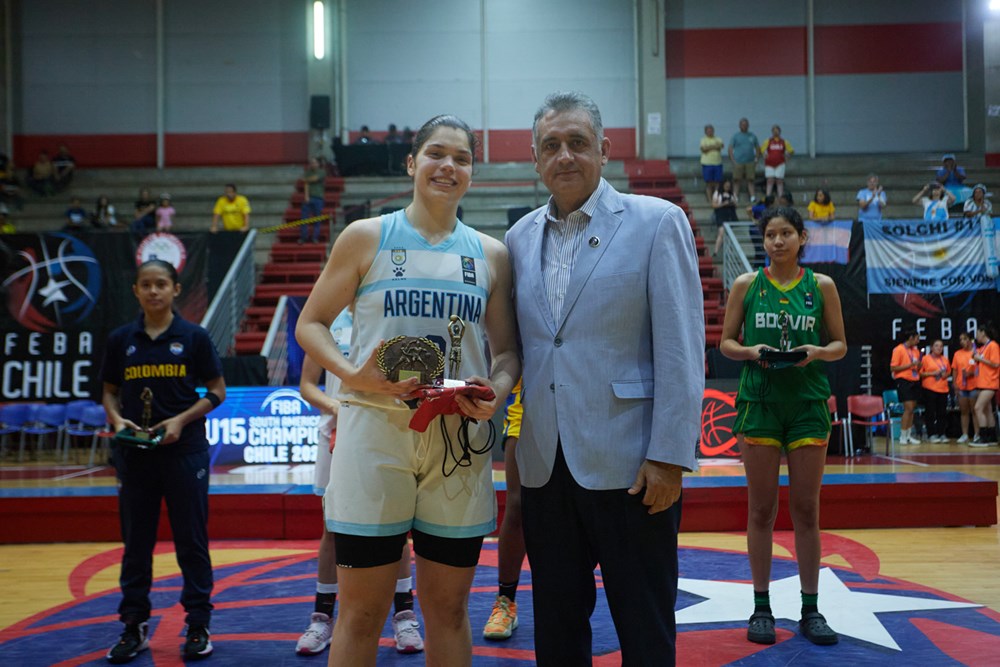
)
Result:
{"points": [[94, 423], [74, 412], [835, 420], [48, 420], [13, 417], [867, 411]]}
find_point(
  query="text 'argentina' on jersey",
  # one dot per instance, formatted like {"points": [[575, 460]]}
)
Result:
{"points": [[431, 303]]}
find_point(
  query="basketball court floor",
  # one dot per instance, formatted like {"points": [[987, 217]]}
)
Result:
{"points": [[897, 596]]}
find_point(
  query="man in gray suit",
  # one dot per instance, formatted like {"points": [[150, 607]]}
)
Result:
{"points": [[609, 307]]}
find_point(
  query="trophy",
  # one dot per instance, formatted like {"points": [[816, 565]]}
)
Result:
{"points": [[456, 329], [144, 438], [784, 343], [405, 357]]}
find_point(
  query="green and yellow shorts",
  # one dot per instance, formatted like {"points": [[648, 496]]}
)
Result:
{"points": [[789, 424]]}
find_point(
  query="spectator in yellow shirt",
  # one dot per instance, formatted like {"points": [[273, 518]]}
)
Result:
{"points": [[233, 209], [821, 208]]}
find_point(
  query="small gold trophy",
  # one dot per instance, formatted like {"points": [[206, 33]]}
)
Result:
{"points": [[456, 330], [143, 438]]}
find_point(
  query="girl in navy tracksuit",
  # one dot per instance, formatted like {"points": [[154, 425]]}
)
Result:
{"points": [[171, 357]]}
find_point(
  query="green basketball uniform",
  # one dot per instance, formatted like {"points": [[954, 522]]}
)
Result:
{"points": [[796, 309], [783, 406]]}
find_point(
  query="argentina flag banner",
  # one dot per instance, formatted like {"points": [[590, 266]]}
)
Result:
{"points": [[906, 256]]}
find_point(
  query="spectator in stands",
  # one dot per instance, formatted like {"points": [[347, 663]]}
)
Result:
{"points": [[104, 213], [821, 208], [964, 371], [934, 373], [743, 151], [905, 368], [393, 136], [786, 200], [978, 204], [756, 212], [233, 209], [987, 355], [312, 199], [6, 226], [724, 210], [75, 215], [952, 177], [935, 200], [407, 135], [871, 200], [10, 189], [711, 161], [364, 138], [63, 165], [165, 213], [144, 215], [41, 177], [776, 152]]}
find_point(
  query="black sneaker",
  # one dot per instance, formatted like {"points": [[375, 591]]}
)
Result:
{"points": [[134, 639], [815, 629], [198, 643]]}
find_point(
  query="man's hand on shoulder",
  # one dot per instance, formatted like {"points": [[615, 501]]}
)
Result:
{"points": [[662, 482]]}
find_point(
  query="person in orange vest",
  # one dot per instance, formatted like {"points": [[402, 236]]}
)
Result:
{"points": [[905, 367], [934, 373]]}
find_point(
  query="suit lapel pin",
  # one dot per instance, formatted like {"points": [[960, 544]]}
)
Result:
{"points": [[594, 241]]}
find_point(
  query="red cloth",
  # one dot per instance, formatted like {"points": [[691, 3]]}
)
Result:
{"points": [[436, 401]]}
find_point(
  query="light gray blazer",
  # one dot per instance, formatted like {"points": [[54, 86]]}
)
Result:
{"points": [[619, 379]]}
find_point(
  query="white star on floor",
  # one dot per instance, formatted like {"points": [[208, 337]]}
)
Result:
{"points": [[850, 613]]}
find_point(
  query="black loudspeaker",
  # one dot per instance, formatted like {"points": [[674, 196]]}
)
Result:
{"points": [[319, 112]]}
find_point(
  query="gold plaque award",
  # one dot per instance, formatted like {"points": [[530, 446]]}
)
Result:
{"points": [[405, 357]]}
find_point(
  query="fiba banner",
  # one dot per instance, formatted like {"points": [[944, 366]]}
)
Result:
{"points": [[919, 256], [263, 425], [65, 292]]}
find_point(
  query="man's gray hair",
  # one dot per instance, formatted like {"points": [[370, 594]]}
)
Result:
{"points": [[570, 101]]}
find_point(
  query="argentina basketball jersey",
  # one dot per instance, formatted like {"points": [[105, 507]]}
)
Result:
{"points": [[413, 287]]}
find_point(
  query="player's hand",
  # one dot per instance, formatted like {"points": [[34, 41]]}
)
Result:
{"points": [[126, 423], [172, 428], [477, 408], [368, 378], [755, 351], [662, 482], [812, 353]]}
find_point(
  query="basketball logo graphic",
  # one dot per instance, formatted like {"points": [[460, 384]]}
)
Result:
{"points": [[718, 410], [54, 284]]}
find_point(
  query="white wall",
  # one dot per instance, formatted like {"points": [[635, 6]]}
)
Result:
{"points": [[407, 63]]}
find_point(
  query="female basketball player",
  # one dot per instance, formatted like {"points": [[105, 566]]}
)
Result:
{"points": [[406, 273], [784, 407], [162, 358]]}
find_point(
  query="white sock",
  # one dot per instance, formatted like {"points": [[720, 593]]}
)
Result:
{"points": [[404, 585], [326, 588]]}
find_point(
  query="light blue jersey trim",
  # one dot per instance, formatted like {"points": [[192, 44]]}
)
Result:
{"points": [[455, 531], [422, 283], [369, 529], [398, 232]]}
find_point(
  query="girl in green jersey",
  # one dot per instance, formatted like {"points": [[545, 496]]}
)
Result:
{"points": [[784, 307]]}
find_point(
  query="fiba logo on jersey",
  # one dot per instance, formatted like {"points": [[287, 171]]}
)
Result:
{"points": [[162, 246], [54, 283]]}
